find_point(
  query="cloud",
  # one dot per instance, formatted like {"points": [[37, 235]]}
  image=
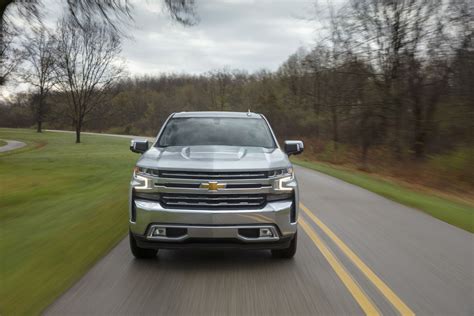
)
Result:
{"points": [[240, 34], [235, 34]]}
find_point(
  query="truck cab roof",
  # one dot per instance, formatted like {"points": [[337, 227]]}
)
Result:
{"points": [[217, 114]]}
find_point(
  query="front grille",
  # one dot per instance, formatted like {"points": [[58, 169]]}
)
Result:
{"points": [[212, 175], [227, 185], [213, 201]]}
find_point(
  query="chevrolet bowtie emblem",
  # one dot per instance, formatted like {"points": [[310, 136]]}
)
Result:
{"points": [[212, 186]]}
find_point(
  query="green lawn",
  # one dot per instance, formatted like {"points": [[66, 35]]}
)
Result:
{"points": [[450, 211], [2, 143], [62, 207]]}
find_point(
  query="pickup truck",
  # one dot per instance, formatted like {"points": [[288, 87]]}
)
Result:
{"points": [[214, 179]]}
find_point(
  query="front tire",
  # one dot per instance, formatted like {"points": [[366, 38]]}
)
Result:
{"points": [[141, 253], [287, 253]]}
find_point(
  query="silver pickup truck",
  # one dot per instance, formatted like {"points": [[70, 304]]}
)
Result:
{"points": [[214, 179]]}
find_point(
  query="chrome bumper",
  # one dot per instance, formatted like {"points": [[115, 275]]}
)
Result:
{"points": [[214, 224]]}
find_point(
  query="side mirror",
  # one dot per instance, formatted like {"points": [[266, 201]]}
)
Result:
{"points": [[293, 147], [139, 146]]}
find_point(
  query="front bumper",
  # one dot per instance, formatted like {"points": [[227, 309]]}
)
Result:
{"points": [[219, 243], [213, 227]]}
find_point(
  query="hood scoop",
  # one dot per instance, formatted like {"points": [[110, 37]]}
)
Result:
{"points": [[228, 153]]}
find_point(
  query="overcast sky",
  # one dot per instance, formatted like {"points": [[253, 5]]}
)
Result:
{"points": [[241, 34], [244, 34]]}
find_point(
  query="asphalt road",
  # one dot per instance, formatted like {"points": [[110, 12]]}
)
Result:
{"points": [[358, 253], [11, 145]]}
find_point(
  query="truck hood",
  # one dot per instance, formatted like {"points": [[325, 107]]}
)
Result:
{"points": [[213, 158]]}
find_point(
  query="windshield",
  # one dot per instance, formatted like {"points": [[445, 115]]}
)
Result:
{"points": [[193, 131]]}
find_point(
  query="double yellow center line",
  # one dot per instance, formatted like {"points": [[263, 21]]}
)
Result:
{"points": [[362, 299]]}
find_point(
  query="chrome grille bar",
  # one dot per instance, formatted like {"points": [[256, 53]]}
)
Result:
{"points": [[213, 175], [203, 204], [213, 198]]}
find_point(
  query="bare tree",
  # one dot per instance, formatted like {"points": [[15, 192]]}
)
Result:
{"points": [[10, 55], [401, 41], [87, 68], [114, 13], [221, 80], [39, 70]]}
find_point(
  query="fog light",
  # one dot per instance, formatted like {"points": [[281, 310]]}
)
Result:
{"points": [[159, 231], [266, 232]]}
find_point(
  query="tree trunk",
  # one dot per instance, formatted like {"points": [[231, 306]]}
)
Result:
{"points": [[316, 106], [420, 135], [366, 135], [365, 153], [78, 133], [420, 144], [316, 127], [335, 127], [396, 143], [39, 112]]}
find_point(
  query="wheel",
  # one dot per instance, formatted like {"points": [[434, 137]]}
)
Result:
{"points": [[141, 253], [287, 253]]}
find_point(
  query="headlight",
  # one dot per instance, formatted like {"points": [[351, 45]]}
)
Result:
{"points": [[285, 184], [288, 172], [141, 176], [285, 179], [145, 171]]}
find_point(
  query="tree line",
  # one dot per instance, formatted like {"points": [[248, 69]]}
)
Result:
{"points": [[384, 76]]}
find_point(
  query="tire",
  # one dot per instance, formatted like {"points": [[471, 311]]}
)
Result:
{"points": [[141, 253], [287, 253]]}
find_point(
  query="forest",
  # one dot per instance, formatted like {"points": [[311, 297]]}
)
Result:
{"points": [[386, 88]]}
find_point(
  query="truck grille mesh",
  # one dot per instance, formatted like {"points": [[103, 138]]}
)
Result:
{"points": [[213, 201]]}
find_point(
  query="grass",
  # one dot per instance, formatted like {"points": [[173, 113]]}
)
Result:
{"points": [[62, 206], [3, 143], [450, 210]]}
